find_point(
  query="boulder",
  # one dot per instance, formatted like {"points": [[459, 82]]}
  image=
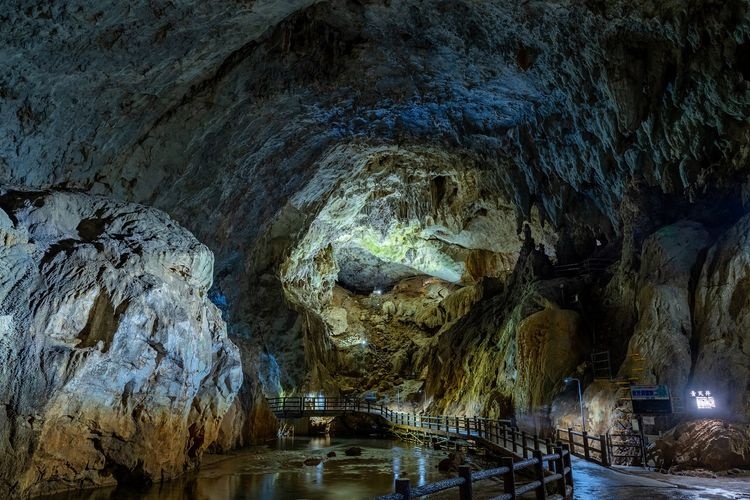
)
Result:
{"points": [[704, 444], [312, 461], [116, 365], [354, 451], [451, 464]]}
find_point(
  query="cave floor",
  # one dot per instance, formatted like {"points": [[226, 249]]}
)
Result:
{"points": [[620, 483]]}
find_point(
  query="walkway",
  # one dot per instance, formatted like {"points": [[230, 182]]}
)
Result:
{"points": [[593, 481]]}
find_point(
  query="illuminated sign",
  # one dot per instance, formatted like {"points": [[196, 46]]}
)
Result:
{"points": [[704, 400]]}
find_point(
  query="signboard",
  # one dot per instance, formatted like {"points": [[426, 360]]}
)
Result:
{"points": [[704, 400], [651, 399]]}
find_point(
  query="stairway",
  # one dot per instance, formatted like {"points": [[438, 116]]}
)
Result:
{"points": [[624, 442]]}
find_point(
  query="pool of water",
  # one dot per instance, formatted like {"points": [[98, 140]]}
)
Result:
{"points": [[277, 471]]}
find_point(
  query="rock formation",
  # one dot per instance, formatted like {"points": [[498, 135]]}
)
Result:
{"points": [[116, 366]]}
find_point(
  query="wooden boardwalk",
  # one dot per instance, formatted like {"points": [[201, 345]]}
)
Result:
{"points": [[547, 462]]}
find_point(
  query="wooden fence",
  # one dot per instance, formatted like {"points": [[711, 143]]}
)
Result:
{"points": [[592, 448], [588, 266], [493, 429], [549, 463], [546, 469]]}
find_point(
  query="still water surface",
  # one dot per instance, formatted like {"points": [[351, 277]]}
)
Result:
{"points": [[277, 472]]}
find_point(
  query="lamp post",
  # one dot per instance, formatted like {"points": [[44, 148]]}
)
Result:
{"points": [[580, 400]]}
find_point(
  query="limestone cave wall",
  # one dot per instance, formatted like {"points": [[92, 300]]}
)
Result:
{"points": [[386, 186]]}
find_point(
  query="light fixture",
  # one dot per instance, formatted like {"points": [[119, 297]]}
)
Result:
{"points": [[568, 380], [377, 291]]}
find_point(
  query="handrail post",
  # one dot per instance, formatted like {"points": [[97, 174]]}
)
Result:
{"points": [[560, 469], [605, 451], [509, 478], [465, 491], [548, 445], [403, 486], [505, 436], [541, 491], [571, 442], [567, 464], [475, 425], [524, 451], [586, 451], [458, 428], [536, 442], [466, 423]]}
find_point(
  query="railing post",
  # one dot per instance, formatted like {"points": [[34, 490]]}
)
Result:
{"points": [[466, 490], [509, 478], [536, 442], [605, 451], [560, 469], [541, 491], [466, 424], [476, 429], [548, 445], [571, 442], [458, 428], [403, 486], [586, 451], [505, 436], [524, 451], [567, 464], [301, 405]]}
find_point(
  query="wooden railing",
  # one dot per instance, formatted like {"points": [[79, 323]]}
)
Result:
{"points": [[498, 431], [554, 466], [591, 448], [557, 470], [592, 265]]}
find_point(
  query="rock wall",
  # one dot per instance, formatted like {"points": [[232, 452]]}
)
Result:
{"points": [[599, 120], [722, 319], [115, 365]]}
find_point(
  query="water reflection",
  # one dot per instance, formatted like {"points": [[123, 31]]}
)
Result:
{"points": [[277, 472]]}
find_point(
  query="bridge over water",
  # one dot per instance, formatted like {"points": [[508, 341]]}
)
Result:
{"points": [[544, 466]]}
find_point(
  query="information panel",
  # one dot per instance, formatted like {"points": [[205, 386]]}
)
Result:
{"points": [[651, 399]]}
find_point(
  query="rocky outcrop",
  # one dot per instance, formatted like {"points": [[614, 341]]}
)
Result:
{"points": [[706, 444], [664, 332], [550, 347], [249, 420], [722, 318], [116, 366]]}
